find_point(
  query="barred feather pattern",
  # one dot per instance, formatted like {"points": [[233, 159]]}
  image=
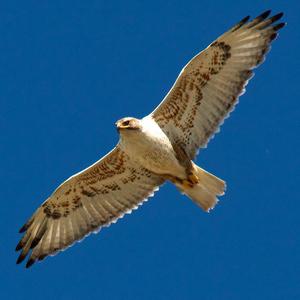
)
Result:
{"points": [[209, 86], [88, 201], [205, 92]]}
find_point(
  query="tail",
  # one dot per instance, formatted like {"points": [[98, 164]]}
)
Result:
{"points": [[205, 190]]}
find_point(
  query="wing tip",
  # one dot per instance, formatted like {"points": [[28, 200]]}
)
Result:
{"points": [[19, 246], [277, 17], [261, 19], [241, 23], [279, 26], [21, 257], [244, 20], [264, 15], [29, 263], [26, 226], [23, 228]]}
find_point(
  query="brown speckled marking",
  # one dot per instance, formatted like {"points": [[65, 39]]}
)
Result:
{"points": [[57, 210], [68, 192], [98, 191], [64, 204], [223, 46], [87, 193], [116, 165], [215, 58], [47, 211], [113, 186], [205, 76], [181, 108], [186, 98], [56, 214], [112, 165], [188, 90], [132, 177]]}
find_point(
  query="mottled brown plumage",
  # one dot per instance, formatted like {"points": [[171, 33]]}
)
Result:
{"points": [[208, 88], [159, 147]]}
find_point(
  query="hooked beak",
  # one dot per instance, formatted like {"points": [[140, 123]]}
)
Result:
{"points": [[119, 126]]}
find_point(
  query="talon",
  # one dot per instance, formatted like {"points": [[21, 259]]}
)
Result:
{"points": [[187, 183], [193, 179]]}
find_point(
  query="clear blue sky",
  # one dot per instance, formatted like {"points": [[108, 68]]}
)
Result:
{"points": [[69, 70]]}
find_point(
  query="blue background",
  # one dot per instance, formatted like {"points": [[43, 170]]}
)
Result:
{"points": [[69, 70]]}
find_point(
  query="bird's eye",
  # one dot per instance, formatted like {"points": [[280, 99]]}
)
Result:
{"points": [[125, 123]]}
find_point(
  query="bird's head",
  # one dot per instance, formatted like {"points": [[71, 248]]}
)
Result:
{"points": [[128, 123]]}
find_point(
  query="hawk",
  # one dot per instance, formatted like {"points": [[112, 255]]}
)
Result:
{"points": [[158, 148]]}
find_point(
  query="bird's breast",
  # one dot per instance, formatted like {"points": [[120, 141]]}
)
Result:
{"points": [[152, 151]]}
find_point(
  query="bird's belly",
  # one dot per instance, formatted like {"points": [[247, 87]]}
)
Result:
{"points": [[159, 162], [158, 158]]}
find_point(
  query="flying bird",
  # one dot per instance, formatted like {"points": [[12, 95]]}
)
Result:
{"points": [[158, 148]]}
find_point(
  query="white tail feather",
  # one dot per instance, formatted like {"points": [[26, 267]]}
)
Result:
{"points": [[206, 191]]}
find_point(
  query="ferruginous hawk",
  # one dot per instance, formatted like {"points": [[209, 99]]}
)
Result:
{"points": [[158, 147]]}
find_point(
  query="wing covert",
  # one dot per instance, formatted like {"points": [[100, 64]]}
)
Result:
{"points": [[86, 202], [209, 86]]}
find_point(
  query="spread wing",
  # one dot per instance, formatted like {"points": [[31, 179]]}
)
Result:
{"points": [[86, 202], [208, 87]]}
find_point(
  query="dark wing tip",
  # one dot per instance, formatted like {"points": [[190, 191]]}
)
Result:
{"points": [[24, 228], [43, 256], [264, 15], [241, 23], [21, 257], [19, 246], [279, 26], [30, 262], [244, 20], [276, 17], [26, 225]]}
